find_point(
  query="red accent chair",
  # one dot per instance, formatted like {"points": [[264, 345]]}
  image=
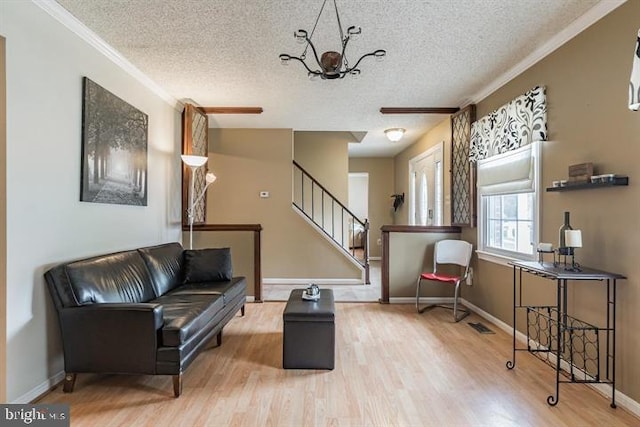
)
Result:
{"points": [[448, 252]]}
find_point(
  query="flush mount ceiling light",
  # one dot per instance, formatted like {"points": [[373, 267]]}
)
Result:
{"points": [[332, 65], [394, 134]]}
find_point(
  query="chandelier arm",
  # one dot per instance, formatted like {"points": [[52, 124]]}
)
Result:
{"points": [[359, 60], [306, 66]]}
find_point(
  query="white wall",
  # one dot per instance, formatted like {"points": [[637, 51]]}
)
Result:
{"points": [[359, 194], [46, 223]]}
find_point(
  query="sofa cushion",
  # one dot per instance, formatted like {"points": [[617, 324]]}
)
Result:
{"points": [[207, 265], [229, 289], [165, 265], [186, 315], [119, 277]]}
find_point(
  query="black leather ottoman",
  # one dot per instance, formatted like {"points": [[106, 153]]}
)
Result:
{"points": [[309, 332]]}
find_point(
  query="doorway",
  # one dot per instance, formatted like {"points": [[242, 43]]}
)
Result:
{"points": [[358, 204], [425, 187]]}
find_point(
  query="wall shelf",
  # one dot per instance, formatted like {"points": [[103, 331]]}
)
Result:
{"points": [[617, 181]]}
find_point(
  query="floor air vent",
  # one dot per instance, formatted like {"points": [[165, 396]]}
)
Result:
{"points": [[481, 328]]}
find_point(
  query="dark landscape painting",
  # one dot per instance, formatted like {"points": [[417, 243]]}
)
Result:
{"points": [[114, 149]]}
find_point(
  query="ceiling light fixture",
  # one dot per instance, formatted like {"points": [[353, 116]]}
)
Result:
{"points": [[394, 134], [333, 65]]}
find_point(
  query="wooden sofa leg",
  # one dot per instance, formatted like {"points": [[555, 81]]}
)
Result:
{"points": [[69, 382], [242, 311], [177, 385], [219, 338]]}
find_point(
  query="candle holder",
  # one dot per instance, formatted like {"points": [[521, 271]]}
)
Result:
{"points": [[545, 248], [573, 239], [541, 253]]}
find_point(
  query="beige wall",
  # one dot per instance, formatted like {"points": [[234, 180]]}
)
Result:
{"points": [[325, 155], [3, 224], [246, 162], [440, 133], [380, 172], [587, 95], [409, 255]]}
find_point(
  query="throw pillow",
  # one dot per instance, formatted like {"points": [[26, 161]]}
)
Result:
{"points": [[207, 265]]}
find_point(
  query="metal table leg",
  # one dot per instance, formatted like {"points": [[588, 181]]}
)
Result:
{"points": [[512, 363]]}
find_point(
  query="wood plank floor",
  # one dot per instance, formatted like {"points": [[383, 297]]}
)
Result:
{"points": [[393, 367]]}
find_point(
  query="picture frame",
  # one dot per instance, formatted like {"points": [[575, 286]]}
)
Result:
{"points": [[114, 149]]}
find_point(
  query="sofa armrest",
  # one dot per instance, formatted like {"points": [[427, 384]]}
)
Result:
{"points": [[114, 338]]}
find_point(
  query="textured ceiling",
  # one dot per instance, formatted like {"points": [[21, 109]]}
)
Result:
{"points": [[225, 53]]}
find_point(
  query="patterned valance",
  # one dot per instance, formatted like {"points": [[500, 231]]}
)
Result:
{"points": [[514, 125]]}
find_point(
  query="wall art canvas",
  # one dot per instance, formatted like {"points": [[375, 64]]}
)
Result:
{"points": [[114, 149]]}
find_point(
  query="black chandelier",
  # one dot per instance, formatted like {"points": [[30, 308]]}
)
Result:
{"points": [[333, 65]]}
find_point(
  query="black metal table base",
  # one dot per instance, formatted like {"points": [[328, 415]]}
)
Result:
{"points": [[557, 335]]}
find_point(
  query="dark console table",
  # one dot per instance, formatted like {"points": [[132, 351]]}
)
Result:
{"points": [[570, 345]]}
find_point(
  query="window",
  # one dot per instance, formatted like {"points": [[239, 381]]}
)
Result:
{"points": [[508, 199]]}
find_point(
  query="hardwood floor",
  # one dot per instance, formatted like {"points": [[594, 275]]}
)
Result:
{"points": [[393, 367]]}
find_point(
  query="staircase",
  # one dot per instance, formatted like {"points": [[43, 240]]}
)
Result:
{"points": [[331, 218]]}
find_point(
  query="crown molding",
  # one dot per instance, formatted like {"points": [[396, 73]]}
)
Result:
{"points": [[594, 14], [61, 15]]}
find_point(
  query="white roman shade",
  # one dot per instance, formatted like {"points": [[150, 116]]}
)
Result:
{"points": [[512, 172], [634, 85]]}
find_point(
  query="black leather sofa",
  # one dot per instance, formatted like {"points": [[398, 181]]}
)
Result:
{"points": [[144, 311]]}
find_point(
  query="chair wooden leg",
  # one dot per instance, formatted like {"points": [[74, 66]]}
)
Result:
{"points": [[219, 338], [177, 385], [242, 310], [69, 382]]}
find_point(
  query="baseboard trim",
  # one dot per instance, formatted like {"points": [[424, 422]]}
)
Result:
{"points": [[41, 389], [307, 282], [423, 300], [251, 298]]}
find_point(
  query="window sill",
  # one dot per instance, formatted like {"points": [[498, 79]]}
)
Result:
{"points": [[498, 258]]}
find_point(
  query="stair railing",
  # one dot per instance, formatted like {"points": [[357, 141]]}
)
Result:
{"points": [[332, 217]]}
